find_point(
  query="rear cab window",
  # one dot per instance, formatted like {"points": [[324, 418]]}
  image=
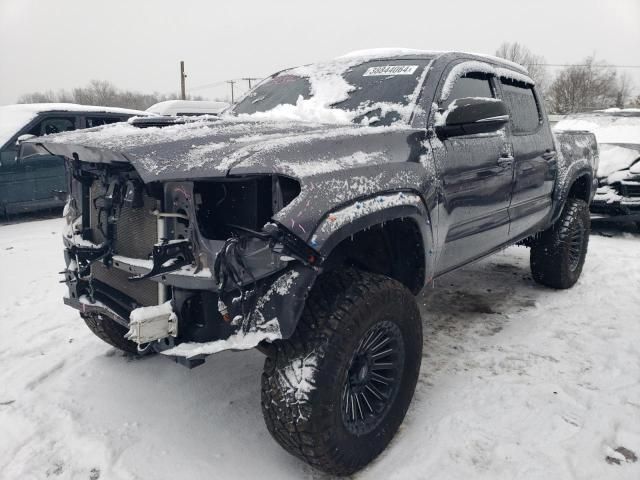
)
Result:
{"points": [[523, 105]]}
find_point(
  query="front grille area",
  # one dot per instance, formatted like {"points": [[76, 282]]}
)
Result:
{"points": [[136, 232], [630, 189], [145, 292]]}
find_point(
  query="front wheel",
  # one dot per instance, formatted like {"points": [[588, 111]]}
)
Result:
{"points": [[335, 393], [558, 254]]}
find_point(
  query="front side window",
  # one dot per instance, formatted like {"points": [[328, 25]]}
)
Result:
{"points": [[470, 85], [521, 101], [51, 125]]}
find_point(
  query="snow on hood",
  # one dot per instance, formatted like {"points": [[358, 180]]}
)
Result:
{"points": [[614, 158], [210, 148], [15, 117]]}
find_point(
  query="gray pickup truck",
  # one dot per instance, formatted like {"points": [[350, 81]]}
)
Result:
{"points": [[305, 219]]}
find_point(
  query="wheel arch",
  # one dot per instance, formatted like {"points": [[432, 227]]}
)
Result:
{"points": [[578, 183], [394, 240]]}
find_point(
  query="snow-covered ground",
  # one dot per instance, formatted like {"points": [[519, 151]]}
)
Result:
{"points": [[517, 381]]}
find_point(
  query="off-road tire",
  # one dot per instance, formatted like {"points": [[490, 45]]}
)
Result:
{"points": [[111, 332], [558, 254], [305, 377]]}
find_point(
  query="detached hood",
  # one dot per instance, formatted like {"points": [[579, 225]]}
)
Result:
{"points": [[208, 149], [615, 157]]}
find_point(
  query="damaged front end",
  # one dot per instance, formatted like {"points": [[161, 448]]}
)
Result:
{"points": [[189, 268]]}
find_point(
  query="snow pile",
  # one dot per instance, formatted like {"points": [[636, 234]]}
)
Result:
{"points": [[328, 87], [607, 127], [614, 158]]}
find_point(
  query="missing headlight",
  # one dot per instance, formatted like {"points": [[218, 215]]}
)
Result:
{"points": [[247, 202]]}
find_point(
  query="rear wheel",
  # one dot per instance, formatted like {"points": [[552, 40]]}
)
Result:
{"points": [[336, 392], [558, 254]]}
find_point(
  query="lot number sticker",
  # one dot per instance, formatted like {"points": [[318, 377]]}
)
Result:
{"points": [[385, 70]]}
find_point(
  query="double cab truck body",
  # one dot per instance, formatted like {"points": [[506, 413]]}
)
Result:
{"points": [[302, 221]]}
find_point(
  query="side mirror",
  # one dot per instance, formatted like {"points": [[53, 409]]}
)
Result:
{"points": [[23, 138], [467, 116]]}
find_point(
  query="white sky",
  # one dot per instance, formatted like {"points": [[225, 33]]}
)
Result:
{"points": [[137, 44]]}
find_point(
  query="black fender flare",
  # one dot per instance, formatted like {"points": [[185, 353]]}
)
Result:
{"points": [[285, 299], [576, 170]]}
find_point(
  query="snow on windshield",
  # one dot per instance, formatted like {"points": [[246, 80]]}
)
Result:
{"points": [[345, 90]]}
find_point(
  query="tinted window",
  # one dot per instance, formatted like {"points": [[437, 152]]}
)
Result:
{"points": [[521, 101], [52, 125], [471, 85], [97, 121]]}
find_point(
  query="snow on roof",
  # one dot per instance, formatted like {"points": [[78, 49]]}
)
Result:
{"points": [[388, 52], [14, 117], [398, 52], [610, 126], [173, 107]]}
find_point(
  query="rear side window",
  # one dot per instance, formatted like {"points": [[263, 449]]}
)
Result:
{"points": [[471, 85], [97, 121], [521, 101]]}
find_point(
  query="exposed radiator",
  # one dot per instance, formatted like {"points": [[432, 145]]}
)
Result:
{"points": [[136, 232]]}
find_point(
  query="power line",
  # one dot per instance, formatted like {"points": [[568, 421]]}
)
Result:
{"points": [[249, 79], [579, 65]]}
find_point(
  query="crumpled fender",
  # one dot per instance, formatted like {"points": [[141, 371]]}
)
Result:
{"points": [[286, 297]]}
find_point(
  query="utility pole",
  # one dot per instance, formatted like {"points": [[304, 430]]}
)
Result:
{"points": [[250, 79], [232, 83], [183, 76]]}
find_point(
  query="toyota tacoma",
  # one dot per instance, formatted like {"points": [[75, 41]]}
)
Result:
{"points": [[306, 217]]}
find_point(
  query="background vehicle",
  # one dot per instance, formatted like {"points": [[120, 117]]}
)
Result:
{"points": [[618, 133], [303, 223], [32, 182], [187, 107]]}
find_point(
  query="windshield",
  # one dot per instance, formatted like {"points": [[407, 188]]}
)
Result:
{"points": [[378, 92]]}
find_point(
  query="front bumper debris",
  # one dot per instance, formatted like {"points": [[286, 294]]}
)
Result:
{"points": [[619, 202]]}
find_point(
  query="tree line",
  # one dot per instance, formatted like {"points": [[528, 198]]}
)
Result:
{"points": [[591, 84], [103, 93]]}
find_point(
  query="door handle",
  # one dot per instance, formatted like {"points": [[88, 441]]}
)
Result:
{"points": [[505, 162], [549, 154]]}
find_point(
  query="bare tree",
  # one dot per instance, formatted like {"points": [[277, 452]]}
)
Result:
{"points": [[103, 93], [534, 64], [624, 88], [588, 86]]}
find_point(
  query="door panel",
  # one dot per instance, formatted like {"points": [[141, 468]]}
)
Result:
{"points": [[534, 161], [476, 173], [476, 191]]}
